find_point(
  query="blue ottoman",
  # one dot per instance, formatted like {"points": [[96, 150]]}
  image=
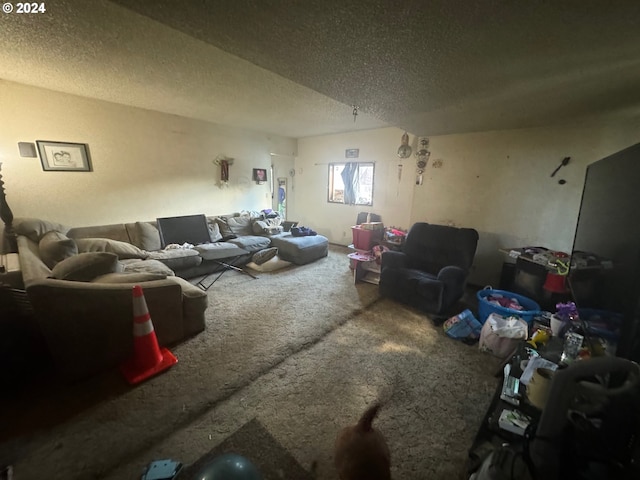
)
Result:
{"points": [[300, 250]]}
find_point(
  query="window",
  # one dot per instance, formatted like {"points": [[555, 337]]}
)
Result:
{"points": [[351, 183]]}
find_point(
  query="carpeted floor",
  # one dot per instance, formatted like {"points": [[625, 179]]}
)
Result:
{"points": [[253, 442], [304, 351]]}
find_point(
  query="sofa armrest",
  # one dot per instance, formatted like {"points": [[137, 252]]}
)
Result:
{"points": [[454, 280], [31, 265], [452, 275], [88, 327], [394, 259]]}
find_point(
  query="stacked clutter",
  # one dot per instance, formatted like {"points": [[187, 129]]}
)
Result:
{"points": [[504, 301], [303, 232], [506, 304], [366, 235], [395, 235]]}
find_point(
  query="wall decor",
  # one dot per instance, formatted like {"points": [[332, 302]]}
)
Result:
{"points": [[404, 151], [422, 156], [259, 175], [223, 162], [352, 153], [64, 156]]}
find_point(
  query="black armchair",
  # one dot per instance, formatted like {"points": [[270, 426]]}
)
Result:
{"points": [[431, 270]]}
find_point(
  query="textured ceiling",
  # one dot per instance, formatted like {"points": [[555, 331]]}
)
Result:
{"points": [[294, 68]]}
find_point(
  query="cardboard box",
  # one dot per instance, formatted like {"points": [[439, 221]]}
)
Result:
{"points": [[372, 225]]}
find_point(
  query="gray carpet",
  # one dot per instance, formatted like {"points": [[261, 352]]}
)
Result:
{"points": [[304, 351]]}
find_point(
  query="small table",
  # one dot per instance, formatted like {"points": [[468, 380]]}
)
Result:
{"points": [[10, 273], [365, 268], [224, 254]]}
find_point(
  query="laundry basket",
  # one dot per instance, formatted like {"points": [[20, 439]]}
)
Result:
{"points": [[485, 308]]}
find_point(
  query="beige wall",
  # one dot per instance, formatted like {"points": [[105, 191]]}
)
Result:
{"points": [[500, 184], [496, 182], [145, 164], [392, 195], [148, 164]]}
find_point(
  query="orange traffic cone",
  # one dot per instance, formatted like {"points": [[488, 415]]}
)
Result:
{"points": [[148, 358]]}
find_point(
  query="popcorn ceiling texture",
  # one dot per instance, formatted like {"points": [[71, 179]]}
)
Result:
{"points": [[304, 350], [444, 66], [100, 50]]}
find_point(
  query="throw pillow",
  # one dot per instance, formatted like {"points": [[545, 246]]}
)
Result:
{"points": [[124, 277], [122, 249], [147, 266], [266, 227], [148, 236], [264, 255], [35, 229], [223, 226], [240, 225], [55, 247], [214, 231], [84, 267]]}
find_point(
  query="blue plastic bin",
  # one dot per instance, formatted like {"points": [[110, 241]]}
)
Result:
{"points": [[530, 308]]}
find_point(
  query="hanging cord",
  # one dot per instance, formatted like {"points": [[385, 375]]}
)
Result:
{"points": [[355, 113]]}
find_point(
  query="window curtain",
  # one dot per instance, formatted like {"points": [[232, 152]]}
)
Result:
{"points": [[350, 178]]}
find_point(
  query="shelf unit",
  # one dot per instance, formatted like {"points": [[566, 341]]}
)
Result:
{"points": [[365, 268]]}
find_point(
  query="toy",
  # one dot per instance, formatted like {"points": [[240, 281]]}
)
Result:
{"points": [[162, 470]]}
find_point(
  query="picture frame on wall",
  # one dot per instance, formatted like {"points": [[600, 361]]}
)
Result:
{"points": [[64, 156], [259, 175]]}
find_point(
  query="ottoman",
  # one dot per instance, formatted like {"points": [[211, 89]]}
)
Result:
{"points": [[300, 250]]}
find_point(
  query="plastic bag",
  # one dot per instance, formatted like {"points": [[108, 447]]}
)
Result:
{"points": [[500, 335], [463, 326]]}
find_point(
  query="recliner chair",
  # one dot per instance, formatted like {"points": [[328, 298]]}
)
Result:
{"points": [[430, 272]]}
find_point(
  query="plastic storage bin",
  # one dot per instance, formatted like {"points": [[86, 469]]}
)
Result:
{"points": [[364, 239], [485, 308]]}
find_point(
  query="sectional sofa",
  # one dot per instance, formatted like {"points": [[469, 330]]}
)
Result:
{"points": [[79, 281]]}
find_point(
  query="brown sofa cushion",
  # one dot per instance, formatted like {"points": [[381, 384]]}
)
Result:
{"points": [[124, 277], [55, 247], [124, 250], [177, 258], [148, 236], [84, 267], [147, 266], [34, 228]]}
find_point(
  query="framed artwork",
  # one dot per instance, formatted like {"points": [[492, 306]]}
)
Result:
{"points": [[260, 175], [352, 153], [64, 156]]}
